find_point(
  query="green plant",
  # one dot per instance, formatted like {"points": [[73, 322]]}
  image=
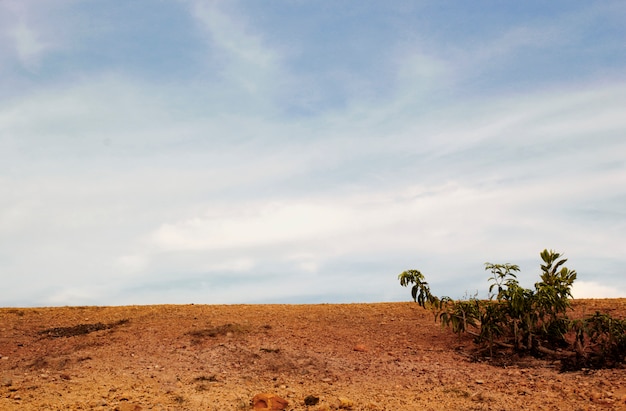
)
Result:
{"points": [[528, 320], [492, 324], [514, 305], [501, 276], [538, 316], [604, 340], [420, 290], [458, 315], [555, 288]]}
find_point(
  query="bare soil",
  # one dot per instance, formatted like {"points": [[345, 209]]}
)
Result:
{"points": [[385, 356]]}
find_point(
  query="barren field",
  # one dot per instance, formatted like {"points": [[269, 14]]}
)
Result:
{"points": [[387, 356]]}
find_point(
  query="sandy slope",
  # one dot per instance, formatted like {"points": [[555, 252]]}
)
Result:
{"points": [[203, 357]]}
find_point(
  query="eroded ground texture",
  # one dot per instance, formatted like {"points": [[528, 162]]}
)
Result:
{"points": [[388, 356]]}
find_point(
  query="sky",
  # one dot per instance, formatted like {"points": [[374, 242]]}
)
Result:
{"points": [[292, 151]]}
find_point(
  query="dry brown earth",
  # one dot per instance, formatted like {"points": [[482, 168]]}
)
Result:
{"points": [[387, 356]]}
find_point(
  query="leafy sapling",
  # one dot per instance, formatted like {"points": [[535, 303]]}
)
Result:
{"points": [[502, 276], [420, 290]]}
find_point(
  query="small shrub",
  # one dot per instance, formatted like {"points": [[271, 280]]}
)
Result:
{"points": [[602, 339], [460, 314], [526, 320]]}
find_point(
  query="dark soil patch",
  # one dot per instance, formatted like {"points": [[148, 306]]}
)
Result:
{"points": [[219, 331], [80, 329]]}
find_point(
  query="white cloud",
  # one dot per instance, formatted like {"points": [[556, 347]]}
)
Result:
{"points": [[256, 225], [34, 29], [305, 261], [428, 218], [85, 112], [119, 183], [232, 34], [230, 265], [132, 262], [72, 295], [149, 213], [28, 45], [589, 289], [248, 61]]}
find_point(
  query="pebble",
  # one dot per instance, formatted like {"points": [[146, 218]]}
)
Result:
{"points": [[266, 401], [7, 382], [345, 403], [311, 400]]}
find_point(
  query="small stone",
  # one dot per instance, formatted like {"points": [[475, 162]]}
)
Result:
{"points": [[360, 348], [311, 400], [345, 403], [269, 402], [7, 382], [479, 382], [478, 396]]}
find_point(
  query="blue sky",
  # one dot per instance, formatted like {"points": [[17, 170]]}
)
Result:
{"points": [[306, 151]]}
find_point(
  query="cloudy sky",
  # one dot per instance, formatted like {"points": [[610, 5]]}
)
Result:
{"points": [[306, 151]]}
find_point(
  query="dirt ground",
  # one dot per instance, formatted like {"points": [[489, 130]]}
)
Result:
{"points": [[385, 356]]}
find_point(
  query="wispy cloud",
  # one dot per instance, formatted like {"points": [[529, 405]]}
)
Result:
{"points": [[28, 45], [228, 184], [30, 31], [239, 52]]}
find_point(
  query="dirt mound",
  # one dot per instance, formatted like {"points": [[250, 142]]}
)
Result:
{"points": [[204, 357]]}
